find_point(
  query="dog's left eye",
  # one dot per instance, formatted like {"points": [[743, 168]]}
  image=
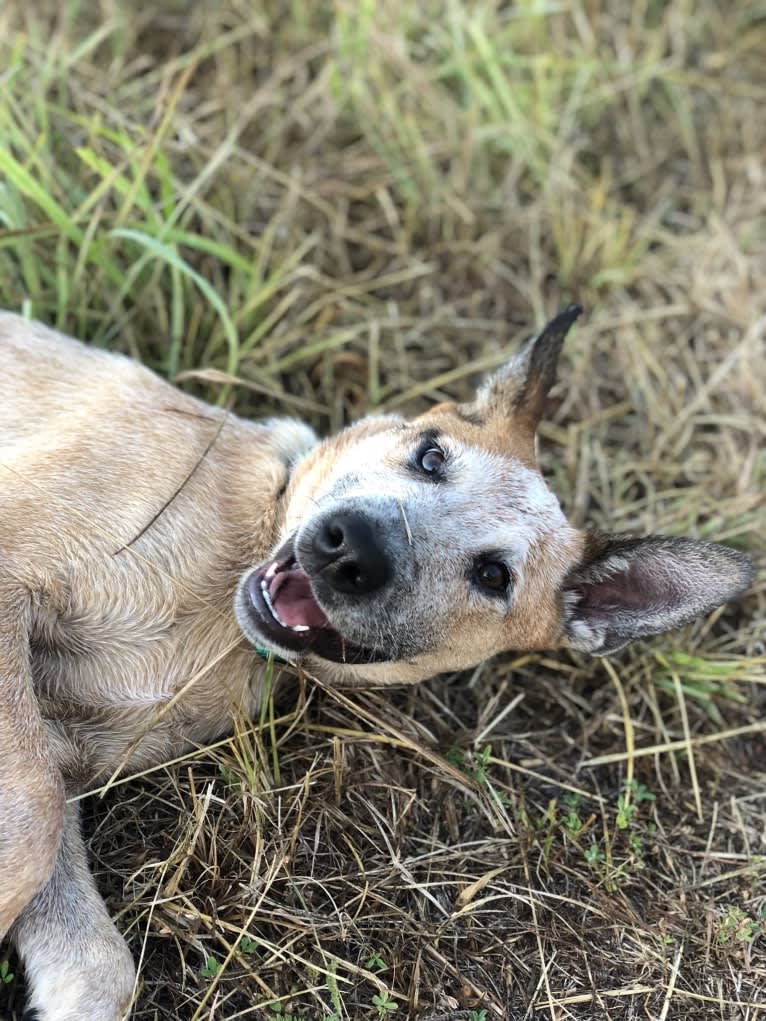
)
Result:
{"points": [[492, 576], [431, 460]]}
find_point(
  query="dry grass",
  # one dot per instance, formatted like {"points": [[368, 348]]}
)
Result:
{"points": [[357, 206]]}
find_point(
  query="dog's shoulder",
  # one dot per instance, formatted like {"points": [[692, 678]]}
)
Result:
{"points": [[87, 436], [29, 341], [35, 357]]}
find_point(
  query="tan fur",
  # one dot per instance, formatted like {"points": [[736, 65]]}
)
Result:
{"points": [[130, 517], [110, 627], [142, 618], [497, 433], [32, 790]]}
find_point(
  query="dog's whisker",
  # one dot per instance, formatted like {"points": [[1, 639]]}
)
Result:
{"points": [[406, 522]]}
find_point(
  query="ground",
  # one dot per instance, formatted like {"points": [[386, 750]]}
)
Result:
{"points": [[323, 209]]}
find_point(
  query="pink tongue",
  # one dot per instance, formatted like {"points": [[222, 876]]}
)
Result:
{"points": [[292, 598]]}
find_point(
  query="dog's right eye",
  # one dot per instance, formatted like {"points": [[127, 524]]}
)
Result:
{"points": [[431, 460], [492, 576]]}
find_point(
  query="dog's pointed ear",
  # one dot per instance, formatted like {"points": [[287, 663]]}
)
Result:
{"points": [[518, 391], [629, 588]]}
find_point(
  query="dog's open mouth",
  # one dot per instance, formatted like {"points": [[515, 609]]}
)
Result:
{"points": [[284, 609], [286, 590]]}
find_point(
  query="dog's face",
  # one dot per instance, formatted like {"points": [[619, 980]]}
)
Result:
{"points": [[415, 544], [411, 548]]}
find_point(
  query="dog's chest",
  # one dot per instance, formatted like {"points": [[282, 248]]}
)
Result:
{"points": [[131, 669]]}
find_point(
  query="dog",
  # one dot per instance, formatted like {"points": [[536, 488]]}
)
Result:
{"points": [[153, 548]]}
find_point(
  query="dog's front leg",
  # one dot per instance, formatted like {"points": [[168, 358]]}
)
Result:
{"points": [[31, 787], [78, 966]]}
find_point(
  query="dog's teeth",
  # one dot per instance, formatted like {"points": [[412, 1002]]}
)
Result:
{"points": [[267, 600], [300, 627], [272, 570]]}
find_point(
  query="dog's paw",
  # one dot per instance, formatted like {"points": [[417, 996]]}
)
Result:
{"points": [[95, 984]]}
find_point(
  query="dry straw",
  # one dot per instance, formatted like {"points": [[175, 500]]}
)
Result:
{"points": [[331, 208]]}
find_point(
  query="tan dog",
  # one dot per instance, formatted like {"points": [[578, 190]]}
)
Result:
{"points": [[131, 516]]}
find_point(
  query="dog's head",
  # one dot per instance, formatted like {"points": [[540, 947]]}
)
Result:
{"points": [[414, 547]]}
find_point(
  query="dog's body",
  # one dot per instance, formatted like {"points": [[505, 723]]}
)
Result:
{"points": [[124, 610], [131, 518], [104, 619]]}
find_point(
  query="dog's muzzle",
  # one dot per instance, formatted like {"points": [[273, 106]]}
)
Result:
{"points": [[287, 604]]}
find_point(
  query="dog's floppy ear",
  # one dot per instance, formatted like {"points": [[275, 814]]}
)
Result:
{"points": [[629, 588], [518, 390]]}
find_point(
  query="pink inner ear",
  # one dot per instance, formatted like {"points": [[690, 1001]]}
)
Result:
{"points": [[632, 588], [641, 586]]}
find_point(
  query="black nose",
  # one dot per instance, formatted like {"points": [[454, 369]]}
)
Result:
{"points": [[349, 553]]}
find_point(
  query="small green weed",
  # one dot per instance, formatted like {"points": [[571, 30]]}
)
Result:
{"points": [[278, 1010], [628, 803], [375, 962], [626, 809], [211, 968], [640, 792], [636, 845], [6, 975], [572, 822], [476, 765], [480, 763], [385, 1003], [247, 945], [334, 991], [736, 926], [594, 855]]}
